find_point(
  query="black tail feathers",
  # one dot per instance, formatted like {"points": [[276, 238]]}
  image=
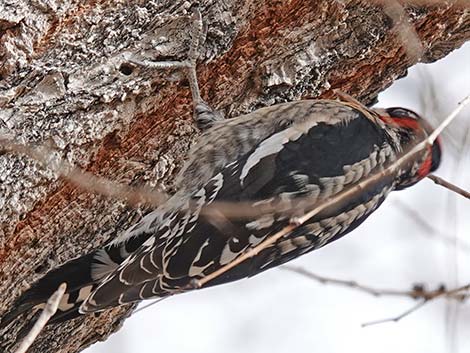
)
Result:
{"points": [[75, 273]]}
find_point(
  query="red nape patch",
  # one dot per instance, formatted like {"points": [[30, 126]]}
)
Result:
{"points": [[425, 168]]}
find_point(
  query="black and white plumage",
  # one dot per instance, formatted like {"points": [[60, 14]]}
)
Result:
{"points": [[287, 152]]}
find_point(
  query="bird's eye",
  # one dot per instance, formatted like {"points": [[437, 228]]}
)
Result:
{"points": [[402, 113]]}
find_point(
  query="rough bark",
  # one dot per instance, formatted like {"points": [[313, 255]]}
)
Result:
{"points": [[65, 82]]}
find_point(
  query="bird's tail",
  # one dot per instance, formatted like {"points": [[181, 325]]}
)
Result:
{"points": [[77, 274], [81, 275]]}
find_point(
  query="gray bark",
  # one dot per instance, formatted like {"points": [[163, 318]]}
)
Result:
{"points": [[65, 82]]}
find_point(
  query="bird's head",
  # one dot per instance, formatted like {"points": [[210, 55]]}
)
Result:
{"points": [[411, 129]]}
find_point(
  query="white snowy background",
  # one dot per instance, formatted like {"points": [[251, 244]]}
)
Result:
{"points": [[280, 311]]}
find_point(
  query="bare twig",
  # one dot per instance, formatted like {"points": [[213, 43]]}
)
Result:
{"points": [[298, 221], [450, 186], [398, 317], [86, 180], [449, 119], [429, 229], [48, 311], [238, 210], [376, 292], [232, 210], [452, 214], [153, 302], [406, 32], [417, 292]]}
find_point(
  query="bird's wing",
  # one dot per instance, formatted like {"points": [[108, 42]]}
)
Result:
{"points": [[229, 140], [309, 158]]}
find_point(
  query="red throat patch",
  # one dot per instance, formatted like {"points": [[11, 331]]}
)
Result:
{"points": [[425, 167]]}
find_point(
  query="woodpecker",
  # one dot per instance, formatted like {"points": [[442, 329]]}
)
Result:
{"points": [[311, 149], [279, 157]]}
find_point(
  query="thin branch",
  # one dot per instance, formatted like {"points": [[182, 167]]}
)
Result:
{"points": [[239, 210], [358, 187], [398, 317], [448, 120], [376, 292], [232, 210], [406, 32], [48, 311], [417, 292], [450, 186], [153, 302], [452, 215], [429, 229], [85, 180]]}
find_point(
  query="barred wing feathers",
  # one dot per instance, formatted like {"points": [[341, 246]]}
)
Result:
{"points": [[311, 157]]}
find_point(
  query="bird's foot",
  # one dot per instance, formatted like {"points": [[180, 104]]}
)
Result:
{"points": [[204, 115]]}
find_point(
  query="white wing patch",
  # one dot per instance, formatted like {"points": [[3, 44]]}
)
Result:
{"points": [[274, 144]]}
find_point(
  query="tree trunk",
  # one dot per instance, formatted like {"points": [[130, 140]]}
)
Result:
{"points": [[65, 82]]}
